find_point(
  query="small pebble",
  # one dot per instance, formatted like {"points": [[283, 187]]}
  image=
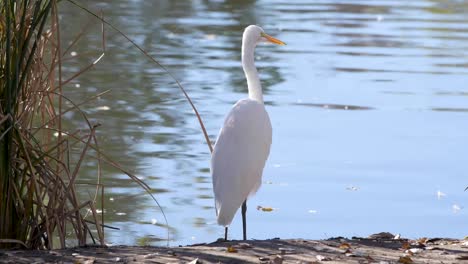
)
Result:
{"points": [[286, 250], [152, 255], [322, 258], [415, 250], [278, 260]]}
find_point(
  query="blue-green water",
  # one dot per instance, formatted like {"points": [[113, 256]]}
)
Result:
{"points": [[368, 102]]}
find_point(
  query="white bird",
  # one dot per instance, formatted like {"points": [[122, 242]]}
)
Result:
{"points": [[243, 143]]}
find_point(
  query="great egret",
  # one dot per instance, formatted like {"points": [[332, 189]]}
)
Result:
{"points": [[243, 143]]}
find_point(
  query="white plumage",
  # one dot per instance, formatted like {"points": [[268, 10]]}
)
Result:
{"points": [[243, 143], [239, 157]]}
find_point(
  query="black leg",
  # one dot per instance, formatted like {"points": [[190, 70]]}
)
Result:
{"points": [[244, 222], [225, 233]]}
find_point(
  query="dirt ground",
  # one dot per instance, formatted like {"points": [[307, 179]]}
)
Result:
{"points": [[381, 248]]}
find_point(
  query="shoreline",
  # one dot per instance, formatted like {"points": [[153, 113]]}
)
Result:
{"points": [[379, 248]]}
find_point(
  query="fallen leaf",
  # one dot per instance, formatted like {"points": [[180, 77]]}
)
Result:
{"points": [[405, 245], [405, 260], [264, 209], [345, 246], [422, 240], [231, 249]]}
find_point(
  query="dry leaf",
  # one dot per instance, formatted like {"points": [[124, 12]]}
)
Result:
{"points": [[231, 249], [264, 209], [405, 245], [405, 260], [422, 240], [345, 246]]}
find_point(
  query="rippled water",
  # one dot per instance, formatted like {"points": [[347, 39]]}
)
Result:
{"points": [[368, 103]]}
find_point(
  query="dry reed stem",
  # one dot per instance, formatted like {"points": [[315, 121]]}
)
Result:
{"points": [[44, 204]]}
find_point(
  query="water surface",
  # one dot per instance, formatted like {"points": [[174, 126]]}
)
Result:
{"points": [[368, 103]]}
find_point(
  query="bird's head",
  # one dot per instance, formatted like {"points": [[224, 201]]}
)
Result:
{"points": [[255, 34]]}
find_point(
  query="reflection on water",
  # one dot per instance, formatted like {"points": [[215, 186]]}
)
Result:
{"points": [[404, 61], [335, 106]]}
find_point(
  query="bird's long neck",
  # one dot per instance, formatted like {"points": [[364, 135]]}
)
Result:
{"points": [[248, 64]]}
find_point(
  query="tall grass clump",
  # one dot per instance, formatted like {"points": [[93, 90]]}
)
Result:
{"points": [[38, 203]]}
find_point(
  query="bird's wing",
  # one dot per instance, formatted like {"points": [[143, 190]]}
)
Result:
{"points": [[239, 157]]}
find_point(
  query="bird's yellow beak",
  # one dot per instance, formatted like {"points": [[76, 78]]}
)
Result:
{"points": [[272, 39]]}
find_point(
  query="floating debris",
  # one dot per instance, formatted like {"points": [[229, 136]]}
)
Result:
{"points": [[352, 188], [103, 108], [440, 195], [210, 36], [264, 209], [456, 208]]}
